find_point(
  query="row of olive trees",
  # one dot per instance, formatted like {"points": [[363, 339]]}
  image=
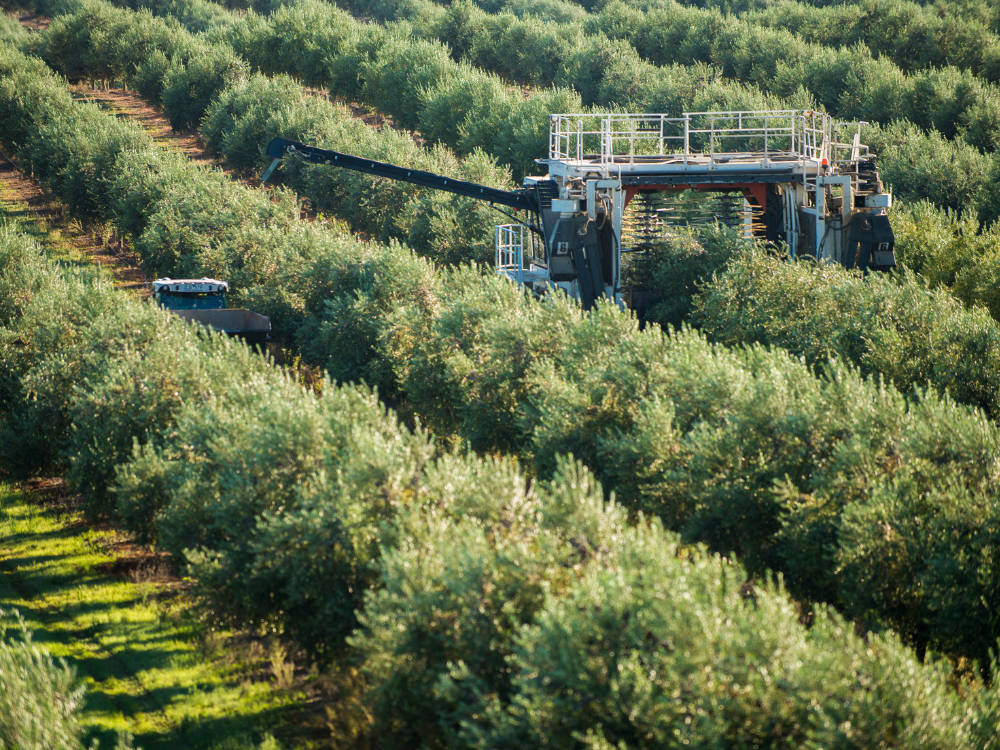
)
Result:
{"points": [[416, 81], [478, 362], [413, 81], [622, 46], [470, 605], [453, 583], [978, 11], [913, 36]]}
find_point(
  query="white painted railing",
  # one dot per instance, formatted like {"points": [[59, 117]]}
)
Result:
{"points": [[510, 250], [766, 135]]}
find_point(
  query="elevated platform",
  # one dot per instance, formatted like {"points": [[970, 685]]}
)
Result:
{"points": [[723, 170], [701, 147]]}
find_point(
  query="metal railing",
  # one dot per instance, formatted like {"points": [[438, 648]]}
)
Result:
{"points": [[602, 137], [854, 151], [510, 250], [764, 135]]}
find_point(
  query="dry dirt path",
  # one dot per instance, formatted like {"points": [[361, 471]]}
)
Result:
{"points": [[128, 104], [23, 198], [33, 21]]}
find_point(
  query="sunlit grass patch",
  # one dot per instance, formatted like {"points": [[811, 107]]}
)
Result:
{"points": [[148, 665]]}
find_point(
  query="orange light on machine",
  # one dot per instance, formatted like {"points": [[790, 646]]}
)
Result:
{"points": [[825, 162]]}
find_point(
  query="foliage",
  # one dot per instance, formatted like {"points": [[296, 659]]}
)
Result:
{"points": [[189, 88], [462, 360], [476, 561], [39, 702], [350, 293], [312, 513], [932, 580], [659, 645], [950, 251], [298, 509], [888, 326], [673, 270]]}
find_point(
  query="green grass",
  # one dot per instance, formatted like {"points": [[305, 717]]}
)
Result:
{"points": [[57, 244], [149, 667]]}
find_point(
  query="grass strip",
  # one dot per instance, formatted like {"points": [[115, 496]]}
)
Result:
{"points": [[132, 635]]}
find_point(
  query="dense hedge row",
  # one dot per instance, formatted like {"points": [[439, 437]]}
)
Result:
{"points": [[415, 80], [200, 80], [888, 326], [613, 59], [979, 11], [912, 36], [479, 607], [851, 82], [693, 434]]}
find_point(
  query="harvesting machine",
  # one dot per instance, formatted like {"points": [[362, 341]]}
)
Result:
{"points": [[795, 177]]}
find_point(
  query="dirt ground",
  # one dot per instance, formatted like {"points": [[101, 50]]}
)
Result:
{"points": [[129, 104], [33, 21], [23, 198]]}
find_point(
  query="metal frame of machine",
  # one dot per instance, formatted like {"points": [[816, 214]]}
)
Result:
{"points": [[814, 183]]}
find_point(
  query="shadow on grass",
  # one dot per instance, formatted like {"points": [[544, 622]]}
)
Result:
{"points": [[192, 733], [136, 651]]}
